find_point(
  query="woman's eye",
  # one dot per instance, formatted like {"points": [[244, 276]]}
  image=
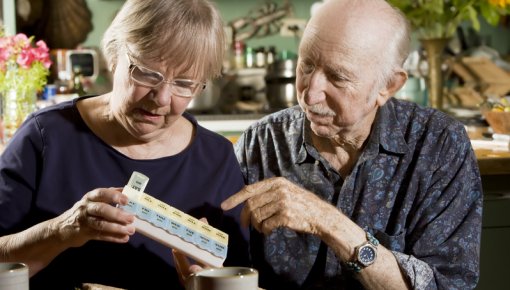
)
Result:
{"points": [[184, 83], [147, 74]]}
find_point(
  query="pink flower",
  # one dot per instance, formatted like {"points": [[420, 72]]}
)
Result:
{"points": [[4, 54], [21, 38], [42, 45], [22, 62], [25, 58], [41, 53], [19, 49]]}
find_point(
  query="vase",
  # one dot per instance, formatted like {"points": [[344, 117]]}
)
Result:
{"points": [[16, 106], [434, 48]]}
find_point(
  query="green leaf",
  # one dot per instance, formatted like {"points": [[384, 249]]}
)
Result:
{"points": [[490, 14], [440, 18], [473, 17]]}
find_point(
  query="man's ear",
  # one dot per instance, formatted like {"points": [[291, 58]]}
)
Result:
{"points": [[396, 82]]}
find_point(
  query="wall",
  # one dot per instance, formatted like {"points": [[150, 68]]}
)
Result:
{"points": [[103, 12], [498, 37]]}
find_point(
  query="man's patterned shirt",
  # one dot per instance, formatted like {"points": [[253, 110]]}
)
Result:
{"points": [[416, 187]]}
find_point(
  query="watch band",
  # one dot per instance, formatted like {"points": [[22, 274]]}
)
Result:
{"points": [[356, 265]]}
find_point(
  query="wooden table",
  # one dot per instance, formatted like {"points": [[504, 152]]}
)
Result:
{"points": [[490, 161], [493, 162]]}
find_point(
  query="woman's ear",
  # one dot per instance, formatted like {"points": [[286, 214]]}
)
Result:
{"points": [[394, 84]]}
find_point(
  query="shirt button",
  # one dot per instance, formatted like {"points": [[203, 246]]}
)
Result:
{"points": [[316, 162]]}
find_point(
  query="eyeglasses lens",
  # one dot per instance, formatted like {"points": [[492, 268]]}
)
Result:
{"points": [[182, 88]]}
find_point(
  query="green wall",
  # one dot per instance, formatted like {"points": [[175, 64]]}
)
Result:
{"points": [[498, 37], [104, 10]]}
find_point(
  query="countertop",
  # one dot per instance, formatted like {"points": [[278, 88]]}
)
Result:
{"points": [[492, 160], [493, 156]]}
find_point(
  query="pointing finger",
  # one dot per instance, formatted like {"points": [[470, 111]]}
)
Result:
{"points": [[247, 192]]}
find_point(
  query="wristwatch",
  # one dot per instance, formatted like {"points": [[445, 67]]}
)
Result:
{"points": [[365, 255]]}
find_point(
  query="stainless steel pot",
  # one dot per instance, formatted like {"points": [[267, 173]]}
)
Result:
{"points": [[208, 100], [281, 93], [281, 84]]}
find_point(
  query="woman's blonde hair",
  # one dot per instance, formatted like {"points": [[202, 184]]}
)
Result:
{"points": [[188, 34]]}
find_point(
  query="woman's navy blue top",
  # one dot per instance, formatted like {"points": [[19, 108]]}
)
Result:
{"points": [[54, 159]]}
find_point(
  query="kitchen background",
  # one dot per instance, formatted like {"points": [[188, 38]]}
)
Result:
{"points": [[242, 95], [496, 225], [104, 10], [247, 84]]}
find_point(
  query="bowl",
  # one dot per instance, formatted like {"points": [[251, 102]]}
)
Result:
{"points": [[499, 121]]}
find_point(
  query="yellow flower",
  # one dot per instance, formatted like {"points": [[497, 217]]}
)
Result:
{"points": [[500, 3], [440, 18]]}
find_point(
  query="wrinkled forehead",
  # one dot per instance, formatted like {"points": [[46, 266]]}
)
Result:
{"points": [[336, 48], [175, 61], [351, 30]]}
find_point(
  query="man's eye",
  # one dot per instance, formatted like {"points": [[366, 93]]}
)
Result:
{"points": [[338, 80], [307, 68]]}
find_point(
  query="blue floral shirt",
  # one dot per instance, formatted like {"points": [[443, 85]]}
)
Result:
{"points": [[416, 187]]}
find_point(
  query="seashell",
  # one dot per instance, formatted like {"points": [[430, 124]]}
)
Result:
{"points": [[63, 24]]}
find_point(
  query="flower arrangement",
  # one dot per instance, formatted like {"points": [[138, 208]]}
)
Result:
{"points": [[23, 66], [440, 18]]}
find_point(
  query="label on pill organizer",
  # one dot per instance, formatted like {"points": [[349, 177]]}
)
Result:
{"points": [[172, 220]]}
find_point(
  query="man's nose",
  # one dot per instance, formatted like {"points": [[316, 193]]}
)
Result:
{"points": [[317, 85]]}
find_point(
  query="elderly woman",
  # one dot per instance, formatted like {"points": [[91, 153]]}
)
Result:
{"points": [[62, 172]]}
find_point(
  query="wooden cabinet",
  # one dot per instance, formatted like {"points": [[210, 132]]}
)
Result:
{"points": [[495, 247]]}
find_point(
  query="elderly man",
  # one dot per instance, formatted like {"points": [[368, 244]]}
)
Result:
{"points": [[353, 189]]}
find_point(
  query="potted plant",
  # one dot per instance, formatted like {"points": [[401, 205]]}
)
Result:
{"points": [[436, 21]]}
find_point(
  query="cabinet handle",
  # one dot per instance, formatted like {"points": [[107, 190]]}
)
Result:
{"points": [[496, 196]]}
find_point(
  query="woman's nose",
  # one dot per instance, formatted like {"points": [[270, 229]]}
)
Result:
{"points": [[163, 95]]}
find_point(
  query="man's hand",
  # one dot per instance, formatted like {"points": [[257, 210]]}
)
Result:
{"points": [[277, 202]]}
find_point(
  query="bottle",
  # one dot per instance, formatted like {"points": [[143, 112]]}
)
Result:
{"points": [[77, 82], [238, 55], [260, 57], [270, 55], [249, 57]]}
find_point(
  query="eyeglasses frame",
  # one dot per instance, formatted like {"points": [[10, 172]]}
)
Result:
{"points": [[172, 82]]}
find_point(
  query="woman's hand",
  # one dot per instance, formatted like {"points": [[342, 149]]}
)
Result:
{"points": [[183, 266], [96, 217]]}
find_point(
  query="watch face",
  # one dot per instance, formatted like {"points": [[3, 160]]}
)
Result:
{"points": [[367, 255]]}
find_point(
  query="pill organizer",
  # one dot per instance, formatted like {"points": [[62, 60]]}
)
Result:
{"points": [[172, 227]]}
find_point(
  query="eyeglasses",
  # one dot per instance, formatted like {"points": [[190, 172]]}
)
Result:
{"points": [[150, 78]]}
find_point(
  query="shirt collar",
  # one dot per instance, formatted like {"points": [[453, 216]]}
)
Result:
{"points": [[306, 151], [386, 134]]}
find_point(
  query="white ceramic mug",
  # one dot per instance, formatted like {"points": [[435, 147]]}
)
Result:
{"points": [[14, 276], [226, 278]]}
